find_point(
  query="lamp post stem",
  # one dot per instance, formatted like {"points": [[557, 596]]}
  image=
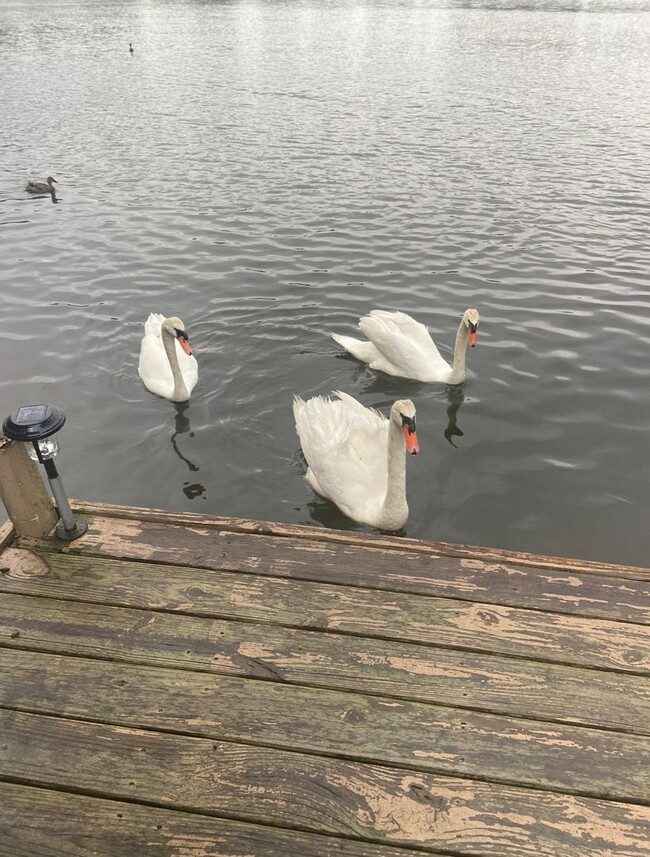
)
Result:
{"points": [[72, 527]]}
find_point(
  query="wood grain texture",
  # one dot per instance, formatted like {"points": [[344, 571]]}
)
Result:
{"points": [[183, 685], [354, 726], [7, 534], [43, 823], [330, 796], [552, 637], [29, 506], [368, 567], [300, 531], [313, 658]]}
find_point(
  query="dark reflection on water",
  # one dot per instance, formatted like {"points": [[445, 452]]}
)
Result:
{"points": [[456, 397], [270, 173], [182, 426]]}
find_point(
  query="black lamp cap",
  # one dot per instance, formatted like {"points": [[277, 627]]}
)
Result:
{"points": [[33, 422]]}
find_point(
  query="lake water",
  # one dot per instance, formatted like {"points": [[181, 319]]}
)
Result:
{"points": [[270, 171]]}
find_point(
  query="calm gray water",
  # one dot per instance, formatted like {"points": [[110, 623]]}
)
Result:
{"points": [[270, 171]]}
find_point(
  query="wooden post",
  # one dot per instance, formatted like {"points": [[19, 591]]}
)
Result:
{"points": [[23, 493]]}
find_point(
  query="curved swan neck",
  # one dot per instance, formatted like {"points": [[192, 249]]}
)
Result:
{"points": [[180, 393], [460, 352], [395, 509]]}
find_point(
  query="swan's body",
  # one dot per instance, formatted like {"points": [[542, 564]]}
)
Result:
{"points": [[356, 456], [41, 187], [399, 345], [167, 366]]}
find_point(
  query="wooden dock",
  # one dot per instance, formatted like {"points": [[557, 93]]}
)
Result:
{"points": [[190, 686]]}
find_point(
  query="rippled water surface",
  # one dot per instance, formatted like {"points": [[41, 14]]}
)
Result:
{"points": [[270, 171]]}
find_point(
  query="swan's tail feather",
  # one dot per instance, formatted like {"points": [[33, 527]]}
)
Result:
{"points": [[365, 351], [153, 324]]}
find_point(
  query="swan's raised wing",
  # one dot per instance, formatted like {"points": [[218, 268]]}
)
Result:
{"points": [[345, 446], [405, 345]]}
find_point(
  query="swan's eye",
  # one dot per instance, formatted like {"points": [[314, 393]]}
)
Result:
{"points": [[409, 423]]}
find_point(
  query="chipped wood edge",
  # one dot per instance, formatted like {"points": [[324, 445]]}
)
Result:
{"points": [[7, 534], [432, 548]]}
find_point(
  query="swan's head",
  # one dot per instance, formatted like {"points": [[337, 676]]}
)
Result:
{"points": [[175, 327], [51, 179], [471, 319], [403, 413]]}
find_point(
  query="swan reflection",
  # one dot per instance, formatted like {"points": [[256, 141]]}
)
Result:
{"points": [[455, 397], [182, 426]]}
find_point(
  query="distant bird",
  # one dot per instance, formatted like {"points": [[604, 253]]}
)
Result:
{"points": [[356, 456], [399, 345], [131, 51], [41, 187], [167, 365]]}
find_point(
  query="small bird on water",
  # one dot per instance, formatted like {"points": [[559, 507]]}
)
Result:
{"points": [[41, 187], [131, 51]]}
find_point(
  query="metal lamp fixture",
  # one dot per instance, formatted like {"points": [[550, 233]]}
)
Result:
{"points": [[37, 425]]}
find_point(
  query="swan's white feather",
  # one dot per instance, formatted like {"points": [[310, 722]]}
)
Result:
{"points": [[154, 368], [399, 345], [404, 345], [346, 447]]}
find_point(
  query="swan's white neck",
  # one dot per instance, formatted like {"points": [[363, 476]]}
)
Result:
{"points": [[395, 509], [457, 375], [181, 393]]}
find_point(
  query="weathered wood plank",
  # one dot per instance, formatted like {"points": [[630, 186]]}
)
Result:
{"points": [[398, 670], [465, 579], [330, 796], [588, 762], [23, 493], [551, 637], [7, 534], [243, 525], [43, 823]]}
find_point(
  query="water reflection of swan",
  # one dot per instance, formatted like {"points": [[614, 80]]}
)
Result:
{"points": [[399, 345], [455, 397], [182, 426]]}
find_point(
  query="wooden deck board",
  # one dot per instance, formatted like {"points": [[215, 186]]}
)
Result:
{"points": [[348, 725], [180, 685], [316, 659], [311, 793], [46, 823], [452, 623], [563, 590]]}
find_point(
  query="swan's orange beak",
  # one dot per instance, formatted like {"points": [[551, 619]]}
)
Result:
{"points": [[411, 438], [185, 345], [472, 337]]}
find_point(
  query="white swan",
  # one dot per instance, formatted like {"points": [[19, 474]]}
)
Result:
{"points": [[167, 365], [400, 345], [356, 456], [41, 187]]}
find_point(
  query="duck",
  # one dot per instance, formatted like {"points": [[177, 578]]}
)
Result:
{"points": [[167, 364], [399, 345], [355, 456], [40, 186], [131, 51]]}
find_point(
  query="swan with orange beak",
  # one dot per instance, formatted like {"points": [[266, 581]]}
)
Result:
{"points": [[167, 365], [399, 345], [356, 458]]}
